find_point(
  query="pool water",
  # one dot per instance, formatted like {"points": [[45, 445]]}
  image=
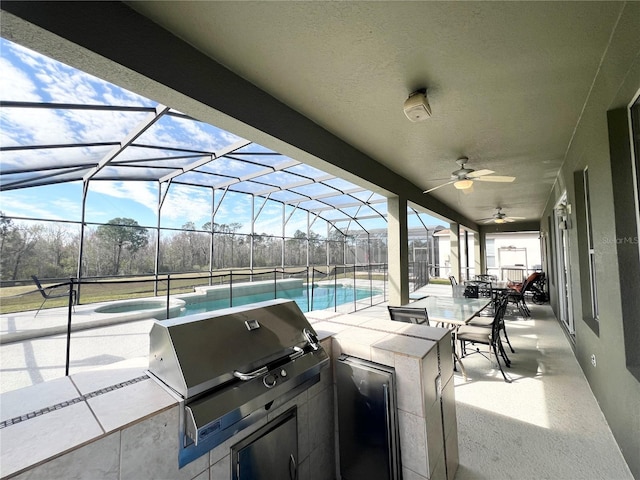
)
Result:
{"points": [[323, 297]]}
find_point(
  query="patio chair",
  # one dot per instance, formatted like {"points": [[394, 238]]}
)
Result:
{"points": [[490, 335], [409, 315], [517, 298], [517, 293], [49, 292], [485, 320], [514, 275], [485, 288], [471, 290], [485, 277]]}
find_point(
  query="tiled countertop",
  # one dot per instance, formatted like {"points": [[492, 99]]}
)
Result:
{"points": [[52, 418]]}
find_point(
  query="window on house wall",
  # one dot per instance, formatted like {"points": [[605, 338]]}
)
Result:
{"points": [[624, 148], [491, 252], [631, 310], [590, 246], [635, 123]]}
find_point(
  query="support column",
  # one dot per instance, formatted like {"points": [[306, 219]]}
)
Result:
{"points": [[454, 246], [398, 251], [480, 252]]}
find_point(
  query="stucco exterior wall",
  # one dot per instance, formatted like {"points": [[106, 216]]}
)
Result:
{"points": [[611, 378]]}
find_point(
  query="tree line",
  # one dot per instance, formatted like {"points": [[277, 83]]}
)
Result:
{"points": [[123, 247]]}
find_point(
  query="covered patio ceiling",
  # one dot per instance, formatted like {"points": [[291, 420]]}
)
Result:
{"points": [[324, 83]]}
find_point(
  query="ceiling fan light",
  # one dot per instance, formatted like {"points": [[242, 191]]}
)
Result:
{"points": [[500, 220], [463, 184]]}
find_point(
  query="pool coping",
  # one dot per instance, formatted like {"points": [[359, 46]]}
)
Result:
{"points": [[16, 327], [83, 318]]}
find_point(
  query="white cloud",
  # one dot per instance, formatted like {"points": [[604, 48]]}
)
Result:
{"points": [[30, 205], [16, 84], [186, 204], [142, 193]]}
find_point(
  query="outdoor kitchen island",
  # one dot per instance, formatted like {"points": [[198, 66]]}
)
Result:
{"points": [[121, 424]]}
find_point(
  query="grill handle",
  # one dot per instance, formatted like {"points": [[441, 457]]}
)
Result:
{"points": [[297, 352], [311, 339], [250, 375]]}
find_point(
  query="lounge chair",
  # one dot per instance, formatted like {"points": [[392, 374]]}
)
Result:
{"points": [[50, 292]]}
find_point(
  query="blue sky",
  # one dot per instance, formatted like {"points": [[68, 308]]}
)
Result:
{"points": [[30, 77]]}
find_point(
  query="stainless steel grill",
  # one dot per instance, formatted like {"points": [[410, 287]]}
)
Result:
{"points": [[228, 366]]}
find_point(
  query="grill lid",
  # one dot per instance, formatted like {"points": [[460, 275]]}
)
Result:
{"points": [[199, 352]]}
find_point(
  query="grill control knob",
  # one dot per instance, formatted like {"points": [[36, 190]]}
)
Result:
{"points": [[269, 380], [283, 373]]}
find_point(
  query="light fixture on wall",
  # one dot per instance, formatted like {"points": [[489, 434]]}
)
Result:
{"points": [[563, 212], [463, 184], [417, 107]]}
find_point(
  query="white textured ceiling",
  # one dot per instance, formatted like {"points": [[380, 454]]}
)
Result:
{"points": [[507, 81]]}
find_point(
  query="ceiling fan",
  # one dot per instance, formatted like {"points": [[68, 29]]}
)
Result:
{"points": [[500, 217], [463, 178]]}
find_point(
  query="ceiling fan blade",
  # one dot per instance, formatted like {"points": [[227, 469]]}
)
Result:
{"points": [[515, 218], [479, 173], [441, 185], [496, 178]]}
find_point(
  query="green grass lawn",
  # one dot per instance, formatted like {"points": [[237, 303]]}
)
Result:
{"points": [[26, 297]]}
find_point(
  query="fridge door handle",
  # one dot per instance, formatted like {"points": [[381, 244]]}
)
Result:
{"points": [[293, 468], [387, 418]]}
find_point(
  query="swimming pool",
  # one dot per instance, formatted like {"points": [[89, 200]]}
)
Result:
{"points": [[323, 298]]}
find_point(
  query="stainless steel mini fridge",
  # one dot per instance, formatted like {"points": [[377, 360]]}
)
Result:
{"points": [[367, 420]]}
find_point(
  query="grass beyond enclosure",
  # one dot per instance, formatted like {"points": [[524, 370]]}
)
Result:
{"points": [[25, 297]]}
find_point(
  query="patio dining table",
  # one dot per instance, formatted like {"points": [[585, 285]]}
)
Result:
{"points": [[452, 311]]}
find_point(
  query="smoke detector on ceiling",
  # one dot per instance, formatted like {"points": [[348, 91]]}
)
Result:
{"points": [[417, 107]]}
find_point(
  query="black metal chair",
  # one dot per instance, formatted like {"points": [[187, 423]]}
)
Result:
{"points": [[409, 315], [487, 335], [485, 277], [49, 292], [486, 317], [517, 294], [471, 290], [482, 289], [485, 289]]}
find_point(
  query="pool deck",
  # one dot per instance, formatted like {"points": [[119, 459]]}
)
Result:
{"points": [[32, 350], [19, 326]]}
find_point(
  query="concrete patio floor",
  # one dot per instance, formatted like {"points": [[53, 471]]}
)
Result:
{"points": [[546, 424]]}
